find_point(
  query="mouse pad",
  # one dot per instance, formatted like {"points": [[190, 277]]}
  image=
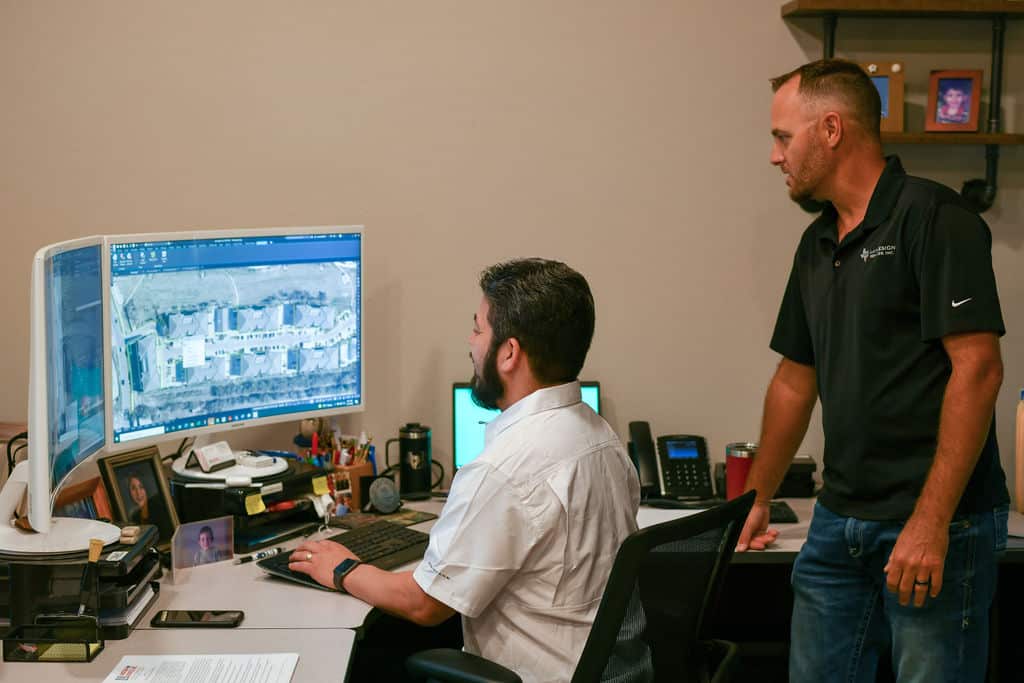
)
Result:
{"points": [[354, 520]]}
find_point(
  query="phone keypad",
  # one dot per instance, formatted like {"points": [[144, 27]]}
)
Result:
{"points": [[688, 477]]}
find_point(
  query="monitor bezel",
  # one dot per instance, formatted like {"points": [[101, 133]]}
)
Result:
{"points": [[223, 428], [468, 385], [42, 490]]}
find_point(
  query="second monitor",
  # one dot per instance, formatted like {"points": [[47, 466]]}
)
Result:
{"points": [[470, 420], [211, 331]]}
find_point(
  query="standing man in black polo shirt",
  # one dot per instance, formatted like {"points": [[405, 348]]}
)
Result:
{"points": [[891, 316]]}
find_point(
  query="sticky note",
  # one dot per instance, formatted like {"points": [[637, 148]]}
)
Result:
{"points": [[254, 504], [320, 485]]}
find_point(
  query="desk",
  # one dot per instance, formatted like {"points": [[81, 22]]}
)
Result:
{"points": [[318, 649], [784, 551], [271, 602], [267, 602]]}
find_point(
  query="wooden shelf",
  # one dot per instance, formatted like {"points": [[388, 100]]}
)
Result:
{"points": [[953, 138], [905, 8]]}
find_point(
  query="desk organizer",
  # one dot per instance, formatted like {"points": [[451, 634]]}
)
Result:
{"points": [[72, 639]]}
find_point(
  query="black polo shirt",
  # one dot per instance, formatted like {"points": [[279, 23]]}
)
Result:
{"points": [[869, 314]]}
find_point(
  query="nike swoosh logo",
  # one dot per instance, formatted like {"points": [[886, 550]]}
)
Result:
{"points": [[957, 304]]}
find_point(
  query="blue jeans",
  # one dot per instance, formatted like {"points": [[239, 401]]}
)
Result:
{"points": [[845, 619]]}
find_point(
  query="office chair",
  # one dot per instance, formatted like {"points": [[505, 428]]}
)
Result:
{"points": [[649, 625]]}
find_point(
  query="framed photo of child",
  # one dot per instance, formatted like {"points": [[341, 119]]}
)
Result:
{"points": [[888, 80], [954, 101], [139, 492]]}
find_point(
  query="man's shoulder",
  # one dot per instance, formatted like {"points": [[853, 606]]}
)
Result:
{"points": [[924, 203], [926, 193]]}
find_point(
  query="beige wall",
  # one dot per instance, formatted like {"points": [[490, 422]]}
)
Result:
{"points": [[629, 139]]}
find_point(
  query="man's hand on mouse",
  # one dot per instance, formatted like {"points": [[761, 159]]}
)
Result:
{"points": [[318, 559]]}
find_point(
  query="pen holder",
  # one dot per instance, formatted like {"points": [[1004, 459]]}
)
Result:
{"points": [[346, 484]]}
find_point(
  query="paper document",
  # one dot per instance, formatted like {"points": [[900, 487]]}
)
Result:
{"points": [[275, 667]]}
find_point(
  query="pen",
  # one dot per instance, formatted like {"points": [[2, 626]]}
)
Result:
{"points": [[261, 555], [89, 574]]}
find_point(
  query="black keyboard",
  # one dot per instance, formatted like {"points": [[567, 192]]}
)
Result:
{"points": [[779, 510], [382, 544], [781, 513]]}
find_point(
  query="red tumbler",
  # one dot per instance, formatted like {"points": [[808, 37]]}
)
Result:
{"points": [[739, 456]]}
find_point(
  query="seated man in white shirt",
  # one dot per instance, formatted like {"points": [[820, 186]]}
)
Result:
{"points": [[526, 540]]}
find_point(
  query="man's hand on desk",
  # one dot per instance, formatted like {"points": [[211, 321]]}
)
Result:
{"points": [[318, 559], [756, 535]]}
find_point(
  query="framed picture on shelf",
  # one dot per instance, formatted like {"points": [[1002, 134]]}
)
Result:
{"points": [[954, 101], [888, 80], [86, 499], [138, 491]]}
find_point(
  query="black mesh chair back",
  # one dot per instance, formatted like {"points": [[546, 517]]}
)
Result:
{"points": [[649, 625], [664, 580]]}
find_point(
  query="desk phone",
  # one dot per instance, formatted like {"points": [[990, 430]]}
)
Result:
{"points": [[678, 470]]}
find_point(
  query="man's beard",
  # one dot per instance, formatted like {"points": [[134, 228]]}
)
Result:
{"points": [[486, 390], [812, 171]]}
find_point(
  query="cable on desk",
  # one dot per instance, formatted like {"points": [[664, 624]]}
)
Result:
{"points": [[440, 477], [13, 456], [185, 443]]}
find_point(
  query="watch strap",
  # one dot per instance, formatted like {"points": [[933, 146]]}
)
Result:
{"points": [[342, 570]]}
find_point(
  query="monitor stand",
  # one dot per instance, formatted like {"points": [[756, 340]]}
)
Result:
{"points": [[66, 536]]}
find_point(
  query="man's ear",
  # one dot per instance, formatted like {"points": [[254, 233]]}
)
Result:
{"points": [[832, 125], [509, 355]]}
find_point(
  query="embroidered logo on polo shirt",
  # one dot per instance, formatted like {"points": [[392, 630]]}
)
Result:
{"points": [[884, 250]]}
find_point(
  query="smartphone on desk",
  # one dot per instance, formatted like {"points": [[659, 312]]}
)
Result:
{"points": [[198, 618], [678, 470]]}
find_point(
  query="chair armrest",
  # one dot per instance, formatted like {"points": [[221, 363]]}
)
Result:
{"points": [[456, 665]]}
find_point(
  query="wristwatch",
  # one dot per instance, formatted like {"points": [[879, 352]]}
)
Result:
{"points": [[342, 570]]}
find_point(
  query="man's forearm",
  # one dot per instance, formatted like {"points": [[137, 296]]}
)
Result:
{"points": [[965, 419], [396, 593], [787, 411]]}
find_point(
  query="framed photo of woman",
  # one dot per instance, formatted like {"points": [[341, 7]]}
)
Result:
{"points": [[138, 491], [954, 101]]}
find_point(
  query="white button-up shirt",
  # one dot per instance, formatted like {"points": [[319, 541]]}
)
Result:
{"points": [[526, 540]]}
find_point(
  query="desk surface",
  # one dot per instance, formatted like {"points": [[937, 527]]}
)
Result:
{"points": [[323, 653], [791, 536], [269, 602]]}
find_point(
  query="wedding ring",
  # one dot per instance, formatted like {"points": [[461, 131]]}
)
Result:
{"points": [[920, 583], [309, 558]]}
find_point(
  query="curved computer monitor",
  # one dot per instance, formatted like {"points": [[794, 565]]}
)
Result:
{"points": [[66, 397], [469, 421], [217, 330]]}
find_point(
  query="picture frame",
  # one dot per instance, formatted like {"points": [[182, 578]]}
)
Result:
{"points": [[954, 101], [887, 78], [87, 499], [139, 493], [203, 542]]}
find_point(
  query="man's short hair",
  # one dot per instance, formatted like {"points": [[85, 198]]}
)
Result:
{"points": [[548, 307], [206, 530], [842, 80]]}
